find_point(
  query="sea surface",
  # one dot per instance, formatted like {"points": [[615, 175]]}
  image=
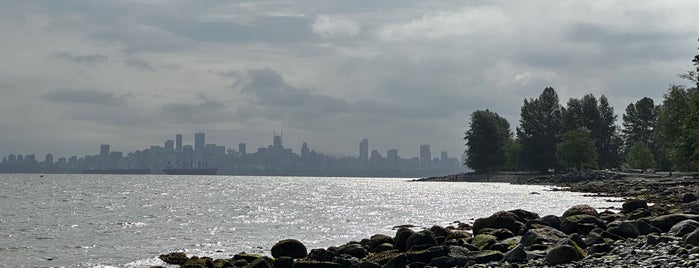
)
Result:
{"points": [[129, 220]]}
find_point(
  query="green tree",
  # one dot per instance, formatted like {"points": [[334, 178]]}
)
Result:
{"points": [[577, 150], [670, 123], [639, 123], [687, 147], [640, 156], [486, 139], [540, 130], [513, 152], [599, 119]]}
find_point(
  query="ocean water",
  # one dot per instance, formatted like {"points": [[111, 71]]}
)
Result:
{"points": [[128, 220]]}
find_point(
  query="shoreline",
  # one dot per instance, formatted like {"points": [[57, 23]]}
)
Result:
{"points": [[663, 234]]}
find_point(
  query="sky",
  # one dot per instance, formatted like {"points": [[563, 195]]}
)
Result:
{"points": [[77, 74]]}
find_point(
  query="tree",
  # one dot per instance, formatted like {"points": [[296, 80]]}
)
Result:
{"points": [[540, 130], [693, 75], [513, 152], [670, 123], [486, 138], [577, 150], [599, 120], [640, 156], [687, 147], [639, 123]]}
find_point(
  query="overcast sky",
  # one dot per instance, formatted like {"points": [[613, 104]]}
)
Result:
{"points": [[77, 74]]}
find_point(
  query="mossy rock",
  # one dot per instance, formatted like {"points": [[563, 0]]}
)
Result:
{"points": [[176, 258], [399, 261], [246, 256], [483, 241], [485, 256]]}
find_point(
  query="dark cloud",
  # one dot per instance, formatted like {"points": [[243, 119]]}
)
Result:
{"points": [[85, 96], [91, 59], [207, 110], [139, 64]]}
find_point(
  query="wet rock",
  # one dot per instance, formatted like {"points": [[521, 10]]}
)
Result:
{"points": [[315, 264], [383, 247], [691, 207], [625, 230], [562, 254], [581, 224], [265, 263], [425, 255], [580, 210], [424, 238], [243, 263], [485, 256], [547, 235], [368, 264], [349, 262], [354, 250], [246, 256], [401, 238], [652, 240], [320, 254], [684, 227], [483, 241], [689, 197], [501, 219], [379, 239], [692, 238], [593, 238], [383, 257], [516, 255], [447, 262], [523, 215], [638, 214], [634, 204], [600, 248], [176, 258], [439, 231], [458, 234], [665, 222], [283, 262], [290, 248], [500, 233], [399, 261]]}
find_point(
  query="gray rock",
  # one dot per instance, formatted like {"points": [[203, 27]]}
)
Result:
{"points": [[401, 238], [448, 262], [580, 210], [665, 222], [421, 238], [634, 204], [377, 240], [516, 255], [500, 219], [562, 254], [581, 224], [354, 250], [547, 235], [625, 229], [684, 227], [692, 238], [485, 256], [290, 248]]}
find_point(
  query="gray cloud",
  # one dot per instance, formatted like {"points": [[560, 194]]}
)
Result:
{"points": [[85, 96], [139, 64], [91, 59], [207, 110]]}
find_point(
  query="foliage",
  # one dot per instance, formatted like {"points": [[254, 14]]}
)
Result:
{"points": [[513, 152], [540, 130], [687, 146], [599, 120], [577, 150], [639, 122], [640, 156], [486, 139]]}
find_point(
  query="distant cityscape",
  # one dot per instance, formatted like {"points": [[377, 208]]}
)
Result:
{"points": [[273, 160]]}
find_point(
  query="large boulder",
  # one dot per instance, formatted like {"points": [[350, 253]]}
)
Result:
{"points": [[290, 248], [422, 239], [401, 238], [562, 254], [483, 241], [266, 263], [439, 231], [684, 227], [320, 254], [523, 215], [354, 250], [377, 240], [692, 238], [315, 264], [581, 224], [665, 222], [624, 229], [545, 236], [485, 256], [425, 255], [176, 258], [500, 219], [516, 255], [633, 204], [580, 210], [283, 262]]}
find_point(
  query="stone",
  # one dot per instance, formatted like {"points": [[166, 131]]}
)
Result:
{"points": [[448, 262], [354, 250], [368, 264], [625, 229], [425, 255], [458, 234], [290, 248], [652, 240], [611, 236], [689, 197], [516, 255], [350, 262], [383, 247], [176, 258], [383, 257], [315, 264], [562, 254], [320, 254], [265, 263], [581, 224], [421, 238], [633, 204], [551, 220], [401, 238], [500, 233], [523, 215], [377, 240], [665, 222], [246, 256], [692, 238], [600, 248], [283, 262], [638, 214], [439, 231], [483, 241], [203, 262], [243, 263], [580, 210], [593, 238], [691, 207], [399, 261], [500, 219], [485, 256], [547, 235], [684, 227]]}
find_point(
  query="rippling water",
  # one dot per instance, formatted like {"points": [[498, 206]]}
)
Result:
{"points": [[128, 220]]}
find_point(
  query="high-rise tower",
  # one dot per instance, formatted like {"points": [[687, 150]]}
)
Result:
{"points": [[199, 142]]}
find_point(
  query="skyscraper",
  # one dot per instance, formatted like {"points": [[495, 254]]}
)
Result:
{"points": [[169, 145], [241, 148], [104, 150], [277, 142], [364, 151], [199, 142], [178, 142], [425, 155]]}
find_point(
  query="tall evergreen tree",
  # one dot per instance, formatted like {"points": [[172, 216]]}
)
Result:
{"points": [[607, 138], [670, 123], [577, 150], [639, 123], [486, 138], [540, 130], [687, 148]]}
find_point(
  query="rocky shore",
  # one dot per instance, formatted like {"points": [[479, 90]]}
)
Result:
{"points": [[657, 226]]}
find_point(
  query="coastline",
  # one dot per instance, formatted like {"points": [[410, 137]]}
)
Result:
{"points": [[657, 226]]}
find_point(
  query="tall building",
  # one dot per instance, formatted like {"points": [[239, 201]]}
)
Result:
{"points": [[49, 159], [104, 150], [169, 145], [392, 158], [444, 157], [199, 142], [364, 151], [241, 148], [178, 142], [305, 151], [277, 142], [425, 155]]}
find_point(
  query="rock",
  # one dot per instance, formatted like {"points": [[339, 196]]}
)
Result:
{"points": [[425, 255], [176, 258], [562, 254], [284, 262], [243, 263], [639, 213], [399, 261], [580, 210], [551, 220], [417, 265], [593, 238], [634, 204], [485, 256], [315, 264], [448, 262], [665, 222], [383, 247], [581, 224], [645, 228], [501, 219], [516, 255], [350, 262], [692, 238], [439, 231], [691, 207], [547, 235], [265, 263], [625, 229], [456, 251], [652, 240], [458, 235], [684, 227], [368, 264], [379, 239], [599, 248], [383, 257], [483, 241], [320, 254], [523, 215], [203, 262], [246, 256], [611, 236], [289, 247], [401, 238], [354, 250], [421, 238], [688, 197], [500, 233]]}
